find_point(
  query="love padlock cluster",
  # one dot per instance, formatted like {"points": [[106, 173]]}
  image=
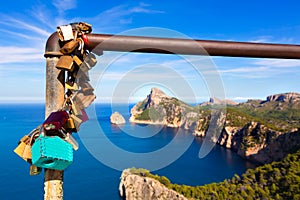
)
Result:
{"points": [[51, 144]]}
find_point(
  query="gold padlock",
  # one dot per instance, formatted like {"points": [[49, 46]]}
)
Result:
{"points": [[34, 170], [20, 149], [70, 125], [70, 86], [77, 121], [76, 108], [77, 60], [65, 63], [69, 47], [24, 146]]}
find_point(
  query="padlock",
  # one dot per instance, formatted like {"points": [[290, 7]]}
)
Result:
{"points": [[91, 60], [65, 62], [34, 170], [83, 76], [86, 88], [75, 108], [55, 122], [85, 27], [20, 149], [74, 86], [52, 153], [24, 146], [65, 32], [84, 100], [77, 121], [69, 47], [71, 140], [70, 125], [84, 67], [77, 60], [84, 117]]}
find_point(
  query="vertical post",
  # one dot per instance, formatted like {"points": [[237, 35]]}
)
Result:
{"points": [[53, 179]]}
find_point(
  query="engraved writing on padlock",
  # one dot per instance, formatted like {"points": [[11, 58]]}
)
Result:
{"points": [[69, 47], [65, 63], [52, 153], [55, 121]]}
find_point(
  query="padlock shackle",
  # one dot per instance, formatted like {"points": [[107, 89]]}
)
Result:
{"points": [[180, 46]]}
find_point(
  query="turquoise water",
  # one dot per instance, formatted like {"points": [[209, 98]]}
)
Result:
{"points": [[87, 178]]}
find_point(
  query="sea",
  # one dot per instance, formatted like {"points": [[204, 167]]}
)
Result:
{"points": [[91, 176]]}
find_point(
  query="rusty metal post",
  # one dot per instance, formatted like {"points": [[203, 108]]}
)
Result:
{"points": [[191, 47], [53, 179]]}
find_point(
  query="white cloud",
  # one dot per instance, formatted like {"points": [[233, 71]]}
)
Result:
{"points": [[279, 63], [12, 54], [21, 25], [64, 5]]}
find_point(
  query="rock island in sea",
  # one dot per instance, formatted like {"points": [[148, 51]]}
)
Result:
{"points": [[117, 118]]}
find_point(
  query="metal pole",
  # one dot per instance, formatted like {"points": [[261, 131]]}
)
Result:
{"points": [[191, 47], [53, 179], [53, 184]]}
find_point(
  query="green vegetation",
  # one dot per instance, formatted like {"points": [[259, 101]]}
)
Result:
{"points": [[279, 116], [150, 114], [278, 180]]}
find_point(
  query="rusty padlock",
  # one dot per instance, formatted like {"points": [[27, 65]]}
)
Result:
{"points": [[65, 62]]}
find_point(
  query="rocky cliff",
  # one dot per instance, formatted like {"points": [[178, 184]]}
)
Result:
{"points": [[139, 187], [285, 97], [260, 130]]}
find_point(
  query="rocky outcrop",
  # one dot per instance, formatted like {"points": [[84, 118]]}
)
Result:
{"points": [[158, 108], [216, 101], [241, 131], [285, 97], [136, 187], [117, 118], [258, 143]]}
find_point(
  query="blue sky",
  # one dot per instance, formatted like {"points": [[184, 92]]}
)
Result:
{"points": [[26, 25]]}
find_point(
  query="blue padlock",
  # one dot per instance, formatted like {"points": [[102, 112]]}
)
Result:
{"points": [[52, 152]]}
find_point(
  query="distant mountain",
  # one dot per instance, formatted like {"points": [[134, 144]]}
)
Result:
{"points": [[260, 130]]}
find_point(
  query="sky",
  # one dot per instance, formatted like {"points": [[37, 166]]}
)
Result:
{"points": [[122, 77]]}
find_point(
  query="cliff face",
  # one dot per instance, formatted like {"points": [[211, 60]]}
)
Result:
{"points": [[262, 131], [258, 143], [158, 108], [136, 187], [286, 97]]}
